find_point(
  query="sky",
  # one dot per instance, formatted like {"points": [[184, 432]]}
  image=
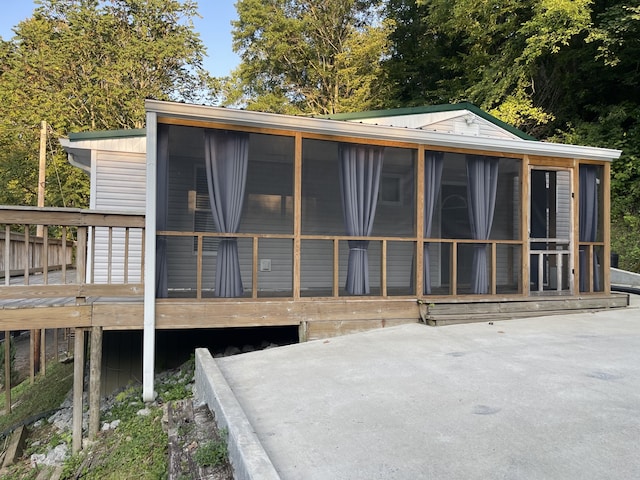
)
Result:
{"points": [[214, 29]]}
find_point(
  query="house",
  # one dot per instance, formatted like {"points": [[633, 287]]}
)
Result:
{"points": [[347, 222]]}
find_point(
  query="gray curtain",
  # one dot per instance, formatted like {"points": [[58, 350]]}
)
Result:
{"points": [[588, 222], [433, 163], [482, 185], [162, 209], [359, 176], [226, 161]]}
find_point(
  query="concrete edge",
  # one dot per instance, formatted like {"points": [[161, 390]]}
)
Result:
{"points": [[246, 454], [625, 278]]}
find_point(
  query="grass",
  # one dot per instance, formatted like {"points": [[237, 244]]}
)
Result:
{"points": [[46, 394], [136, 449], [213, 453]]}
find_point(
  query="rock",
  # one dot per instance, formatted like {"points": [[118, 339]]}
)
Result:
{"points": [[231, 350], [53, 458], [110, 425], [143, 412]]}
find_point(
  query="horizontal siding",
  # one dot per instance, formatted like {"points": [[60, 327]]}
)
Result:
{"points": [[120, 186]]}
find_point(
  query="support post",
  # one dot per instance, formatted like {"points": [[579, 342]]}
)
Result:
{"points": [[43, 351], [149, 332], [56, 355], [7, 371], [78, 380], [95, 371], [32, 359]]}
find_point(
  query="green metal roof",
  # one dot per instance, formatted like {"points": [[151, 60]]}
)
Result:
{"points": [[106, 134], [450, 107]]}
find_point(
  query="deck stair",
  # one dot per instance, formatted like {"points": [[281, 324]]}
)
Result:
{"points": [[450, 313]]}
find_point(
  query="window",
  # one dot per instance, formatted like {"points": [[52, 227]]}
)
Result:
{"points": [[390, 192]]}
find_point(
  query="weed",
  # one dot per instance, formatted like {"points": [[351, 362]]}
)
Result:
{"points": [[212, 453]]}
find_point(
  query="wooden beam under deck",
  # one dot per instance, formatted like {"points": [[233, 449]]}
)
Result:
{"points": [[319, 317]]}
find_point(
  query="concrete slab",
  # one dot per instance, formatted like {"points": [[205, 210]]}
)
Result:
{"points": [[551, 397]]}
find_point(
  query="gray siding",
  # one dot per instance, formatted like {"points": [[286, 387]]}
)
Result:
{"points": [[120, 180]]}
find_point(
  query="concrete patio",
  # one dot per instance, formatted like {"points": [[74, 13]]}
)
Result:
{"points": [[549, 397]]}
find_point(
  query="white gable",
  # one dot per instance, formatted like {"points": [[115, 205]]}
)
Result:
{"points": [[460, 122]]}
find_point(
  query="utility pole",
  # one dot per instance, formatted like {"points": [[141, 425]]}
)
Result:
{"points": [[42, 171], [42, 178]]}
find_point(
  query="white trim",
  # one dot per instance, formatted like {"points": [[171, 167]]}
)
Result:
{"points": [[379, 132], [93, 192], [149, 334]]}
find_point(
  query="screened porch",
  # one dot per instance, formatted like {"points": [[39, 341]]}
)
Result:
{"points": [[239, 217]]}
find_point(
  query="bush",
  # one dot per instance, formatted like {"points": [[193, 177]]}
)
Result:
{"points": [[625, 241]]}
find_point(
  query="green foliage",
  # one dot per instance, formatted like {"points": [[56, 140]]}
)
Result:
{"points": [[303, 56], [12, 361], [624, 241], [178, 386], [137, 448], [561, 70], [88, 65], [47, 393], [212, 453]]}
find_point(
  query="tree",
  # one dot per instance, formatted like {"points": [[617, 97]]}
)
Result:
{"points": [[561, 70], [486, 52], [305, 56], [88, 65]]}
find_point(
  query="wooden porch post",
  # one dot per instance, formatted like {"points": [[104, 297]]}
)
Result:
{"points": [[575, 229], [420, 222], [297, 215], [606, 226], [524, 227], [78, 380], [95, 381]]}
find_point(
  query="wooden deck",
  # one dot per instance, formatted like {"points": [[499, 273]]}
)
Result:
{"points": [[317, 318]]}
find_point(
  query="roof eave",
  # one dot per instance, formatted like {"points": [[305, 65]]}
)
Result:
{"points": [[249, 118]]}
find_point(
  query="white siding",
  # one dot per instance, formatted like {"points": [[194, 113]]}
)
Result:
{"points": [[563, 205], [119, 186]]}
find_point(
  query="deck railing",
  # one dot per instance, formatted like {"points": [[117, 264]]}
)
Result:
{"points": [[86, 239], [453, 285], [61, 263], [28, 252]]}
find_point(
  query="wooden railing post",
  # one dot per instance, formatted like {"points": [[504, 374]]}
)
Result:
{"points": [[254, 269], [336, 269], [81, 256], [383, 269]]}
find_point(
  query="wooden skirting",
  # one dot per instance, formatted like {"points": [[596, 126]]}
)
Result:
{"points": [[316, 318], [438, 314]]}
